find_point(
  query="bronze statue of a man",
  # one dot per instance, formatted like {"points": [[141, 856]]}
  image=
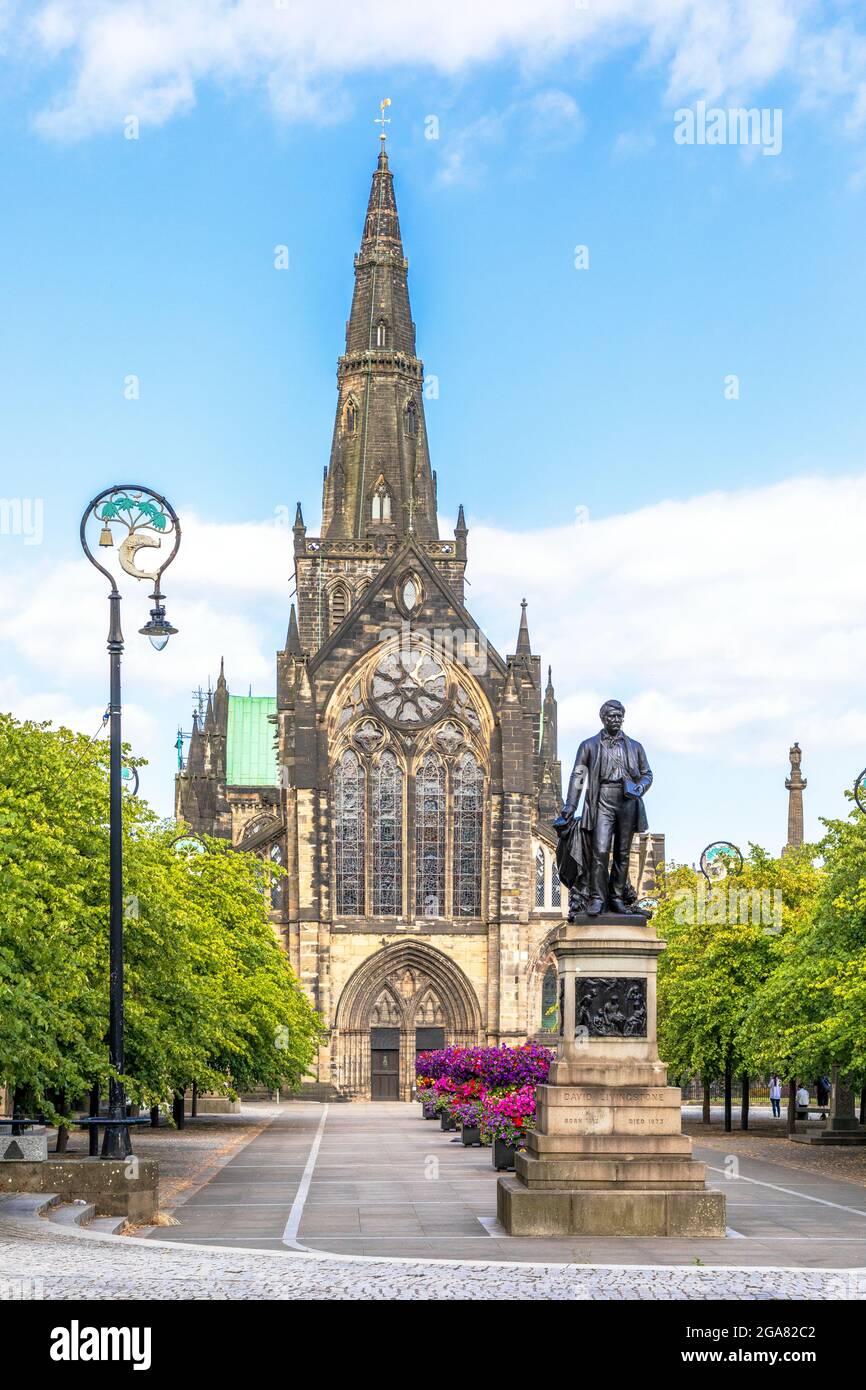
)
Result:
{"points": [[593, 853]]}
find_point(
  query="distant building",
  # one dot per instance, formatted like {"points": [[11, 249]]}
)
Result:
{"points": [[404, 774], [795, 785]]}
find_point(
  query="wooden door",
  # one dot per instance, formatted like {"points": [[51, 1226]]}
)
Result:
{"points": [[385, 1064]]}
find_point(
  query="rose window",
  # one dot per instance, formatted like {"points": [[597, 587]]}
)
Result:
{"points": [[409, 685]]}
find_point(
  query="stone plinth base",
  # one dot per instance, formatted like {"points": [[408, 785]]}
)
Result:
{"points": [[845, 1138], [213, 1105], [607, 1155], [116, 1186], [29, 1148], [526, 1211]]}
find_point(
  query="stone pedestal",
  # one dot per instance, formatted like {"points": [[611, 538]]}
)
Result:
{"points": [[23, 1148], [842, 1127], [608, 1156]]}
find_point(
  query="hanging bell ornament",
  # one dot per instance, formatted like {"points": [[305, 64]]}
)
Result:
{"points": [[105, 536]]}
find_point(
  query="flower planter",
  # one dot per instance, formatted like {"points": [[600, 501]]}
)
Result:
{"points": [[447, 1121], [470, 1134], [503, 1156], [428, 1110]]}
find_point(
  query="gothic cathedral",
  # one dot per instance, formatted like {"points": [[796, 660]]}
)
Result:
{"points": [[405, 775]]}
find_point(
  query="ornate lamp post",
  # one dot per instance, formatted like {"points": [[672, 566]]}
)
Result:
{"points": [[150, 521]]}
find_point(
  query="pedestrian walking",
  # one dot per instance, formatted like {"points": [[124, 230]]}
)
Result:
{"points": [[776, 1095]]}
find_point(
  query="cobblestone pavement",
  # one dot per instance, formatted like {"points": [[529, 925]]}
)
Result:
{"points": [[62, 1266]]}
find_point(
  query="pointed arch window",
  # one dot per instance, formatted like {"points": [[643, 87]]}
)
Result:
{"points": [[382, 333], [539, 877], [549, 992], [430, 838], [348, 796], [340, 605], [387, 837], [468, 822], [381, 504], [556, 886], [412, 420], [351, 417], [277, 883]]}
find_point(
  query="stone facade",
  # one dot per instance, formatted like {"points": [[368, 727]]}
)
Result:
{"points": [[416, 770]]}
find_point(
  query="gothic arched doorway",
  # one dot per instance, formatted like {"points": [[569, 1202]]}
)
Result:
{"points": [[405, 998]]}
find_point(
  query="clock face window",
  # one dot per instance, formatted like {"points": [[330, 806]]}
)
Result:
{"points": [[409, 685]]}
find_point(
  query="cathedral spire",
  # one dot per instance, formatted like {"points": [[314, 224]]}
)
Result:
{"points": [[379, 481], [221, 701], [549, 720], [524, 646], [195, 760], [293, 640]]}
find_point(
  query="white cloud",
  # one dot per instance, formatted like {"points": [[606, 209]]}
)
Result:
{"points": [[730, 624], [551, 115], [150, 58]]}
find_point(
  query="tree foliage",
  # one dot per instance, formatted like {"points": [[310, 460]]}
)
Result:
{"points": [[811, 1013], [210, 995], [725, 943]]}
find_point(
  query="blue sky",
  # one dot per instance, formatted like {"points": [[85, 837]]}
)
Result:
{"points": [[737, 521]]}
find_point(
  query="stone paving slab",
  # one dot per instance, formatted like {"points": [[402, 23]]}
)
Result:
{"points": [[409, 1189]]}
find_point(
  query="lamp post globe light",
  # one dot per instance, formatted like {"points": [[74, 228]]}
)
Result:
{"points": [[138, 518]]}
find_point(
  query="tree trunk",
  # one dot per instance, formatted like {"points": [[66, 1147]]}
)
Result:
{"points": [[93, 1130], [863, 1106], [154, 1117], [62, 1130], [792, 1104], [177, 1108], [729, 1076], [744, 1106], [708, 1114], [194, 1107]]}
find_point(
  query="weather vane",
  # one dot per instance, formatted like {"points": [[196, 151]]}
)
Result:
{"points": [[382, 119]]}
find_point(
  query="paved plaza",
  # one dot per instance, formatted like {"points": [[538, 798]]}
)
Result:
{"points": [[271, 1203], [376, 1179]]}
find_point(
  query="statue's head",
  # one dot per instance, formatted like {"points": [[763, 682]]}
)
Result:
{"points": [[612, 713]]}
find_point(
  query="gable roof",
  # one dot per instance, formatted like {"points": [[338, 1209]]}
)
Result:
{"points": [[387, 572]]}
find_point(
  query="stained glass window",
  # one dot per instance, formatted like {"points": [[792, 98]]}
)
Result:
{"points": [[548, 999], [387, 837], [556, 887], [349, 835], [277, 884], [430, 838], [409, 684], [468, 805], [539, 877]]}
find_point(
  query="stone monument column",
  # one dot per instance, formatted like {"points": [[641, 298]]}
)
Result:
{"points": [[608, 1156]]}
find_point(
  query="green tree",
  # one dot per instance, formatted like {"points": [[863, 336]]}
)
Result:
{"points": [[811, 1013], [724, 943], [210, 996]]}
